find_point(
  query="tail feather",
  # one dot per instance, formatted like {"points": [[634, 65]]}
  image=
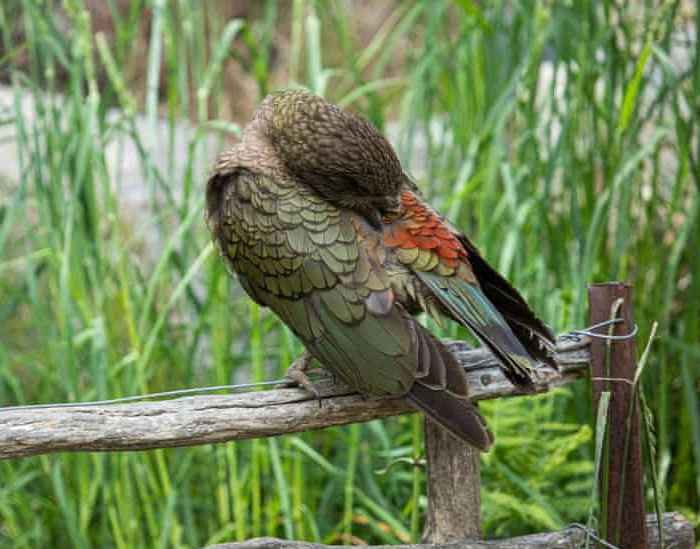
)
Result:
{"points": [[441, 392], [535, 336], [457, 415], [468, 304]]}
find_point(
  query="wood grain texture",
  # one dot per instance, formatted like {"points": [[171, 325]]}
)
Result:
{"points": [[678, 533], [624, 509], [218, 418], [453, 478]]}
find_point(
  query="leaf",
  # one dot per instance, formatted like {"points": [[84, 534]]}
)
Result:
{"points": [[632, 90]]}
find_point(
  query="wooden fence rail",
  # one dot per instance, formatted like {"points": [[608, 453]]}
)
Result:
{"points": [[678, 534], [218, 418]]}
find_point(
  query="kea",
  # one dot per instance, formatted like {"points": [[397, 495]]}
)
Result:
{"points": [[315, 215]]}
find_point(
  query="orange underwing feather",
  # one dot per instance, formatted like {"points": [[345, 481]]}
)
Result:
{"points": [[419, 226], [467, 289]]}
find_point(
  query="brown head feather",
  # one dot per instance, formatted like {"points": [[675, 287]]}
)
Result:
{"points": [[332, 150]]}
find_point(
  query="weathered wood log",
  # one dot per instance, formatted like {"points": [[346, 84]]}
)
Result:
{"points": [[453, 514], [678, 533], [622, 506], [218, 418]]}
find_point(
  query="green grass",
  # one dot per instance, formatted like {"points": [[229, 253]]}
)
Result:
{"points": [[596, 178]]}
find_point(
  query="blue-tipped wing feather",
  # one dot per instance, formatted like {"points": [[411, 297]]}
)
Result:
{"points": [[468, 304]]}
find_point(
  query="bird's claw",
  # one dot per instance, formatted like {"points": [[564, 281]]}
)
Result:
{"points": [[296, 375]]}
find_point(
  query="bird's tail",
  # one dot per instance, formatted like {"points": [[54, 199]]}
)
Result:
{"points": [[468, 304], [440, 391], [534, 335], [457, 415]]}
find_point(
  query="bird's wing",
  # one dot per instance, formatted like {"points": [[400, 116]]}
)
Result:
{"points": [[321, 270], [456, 280]]}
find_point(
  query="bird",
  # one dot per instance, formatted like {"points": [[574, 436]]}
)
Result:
{"points": [[314, 214]]}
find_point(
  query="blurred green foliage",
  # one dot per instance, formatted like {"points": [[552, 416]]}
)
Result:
{"points": [[562, 136]]}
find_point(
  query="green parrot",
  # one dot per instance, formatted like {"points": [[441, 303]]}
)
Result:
{"points": [[315, 215]]}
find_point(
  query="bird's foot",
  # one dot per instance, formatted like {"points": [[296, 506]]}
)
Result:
{"points": [[296, 375]]}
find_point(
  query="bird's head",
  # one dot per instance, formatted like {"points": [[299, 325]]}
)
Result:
{"points": [[337, 153]]}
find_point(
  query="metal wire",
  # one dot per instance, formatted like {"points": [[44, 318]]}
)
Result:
{"points": [[590, 333], [150, 396]]}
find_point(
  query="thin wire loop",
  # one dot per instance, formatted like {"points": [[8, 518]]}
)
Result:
{"points": [[590, 333]]}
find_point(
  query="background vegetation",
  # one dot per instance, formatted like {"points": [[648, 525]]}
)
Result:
{"points": [[562, 136]]}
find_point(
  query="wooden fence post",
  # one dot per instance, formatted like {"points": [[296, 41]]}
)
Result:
{"points": [[454, 483], [622, 519]]}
